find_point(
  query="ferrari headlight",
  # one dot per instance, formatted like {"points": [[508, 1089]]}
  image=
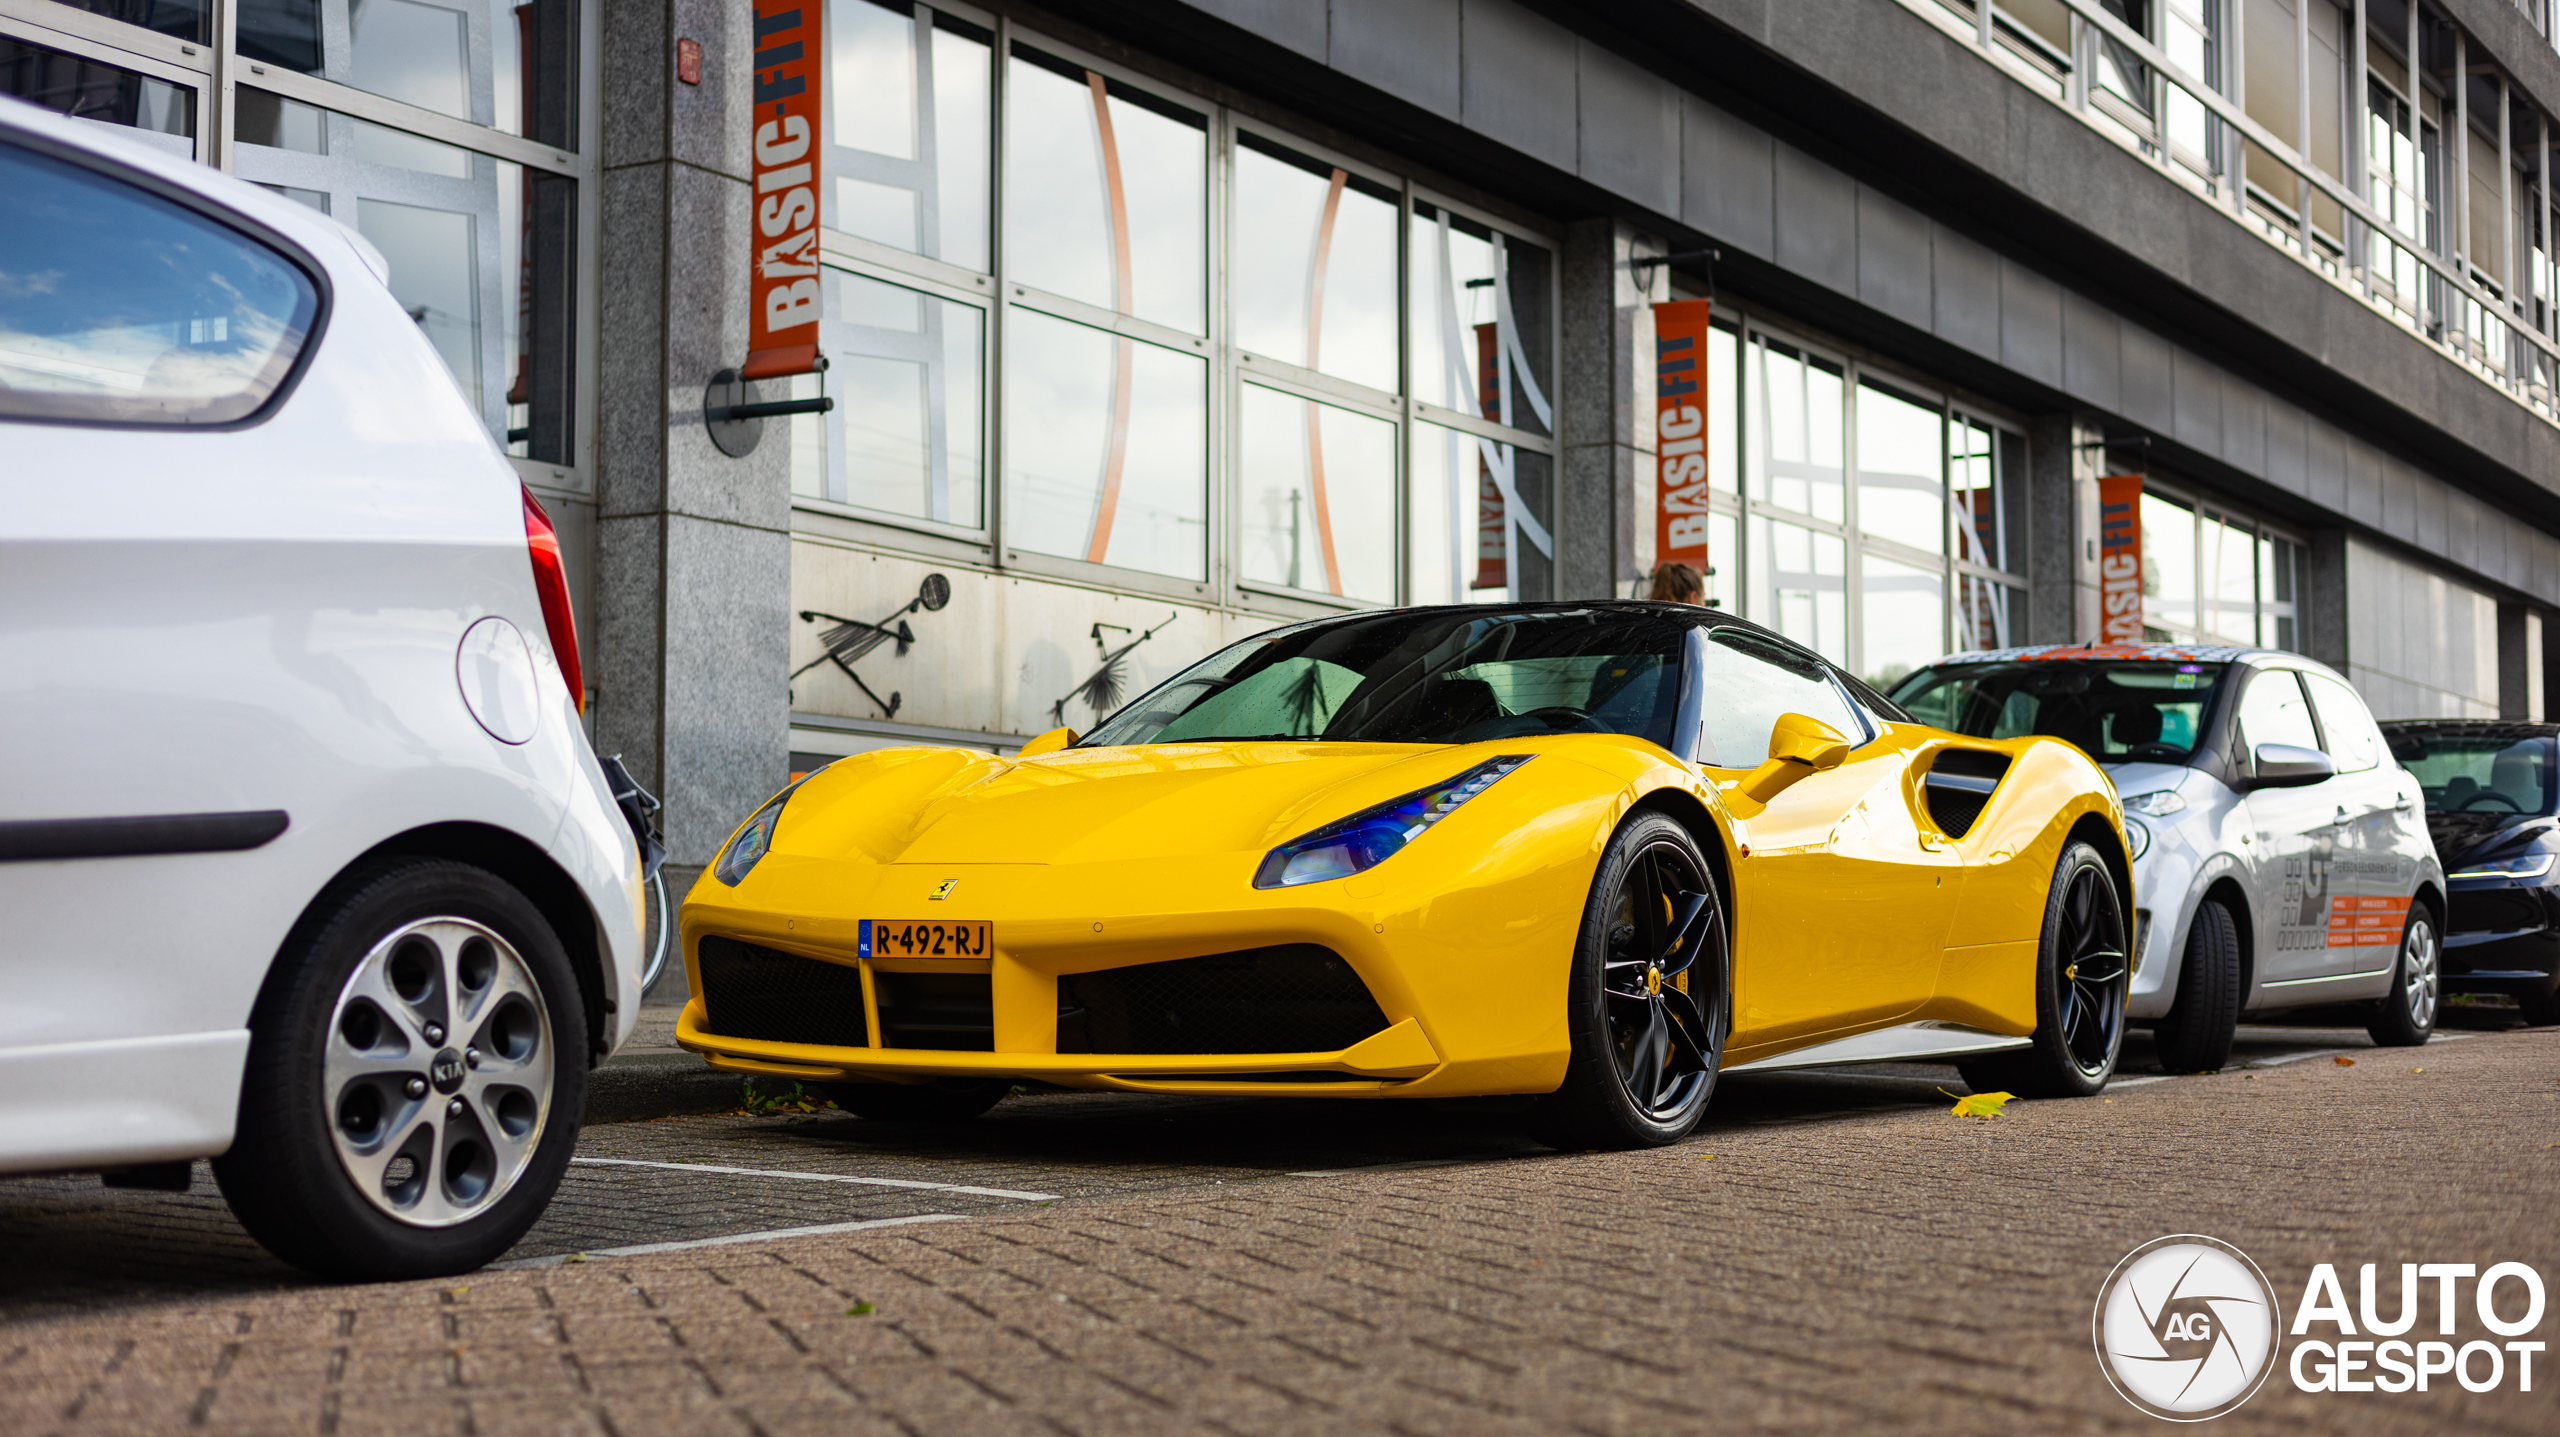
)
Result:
{"points": [[1367, 839], [752, 840], [2159, 804], [2137, 837], [2529, 865]]}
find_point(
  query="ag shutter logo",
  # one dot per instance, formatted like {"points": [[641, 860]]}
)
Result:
{"points": [[2186, 1327]]}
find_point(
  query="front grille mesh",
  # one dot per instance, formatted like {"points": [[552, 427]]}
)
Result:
{"points": [[1290, 998], [1958, 784], [750, 991]]}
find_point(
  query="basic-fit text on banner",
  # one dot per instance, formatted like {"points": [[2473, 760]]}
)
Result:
{"points": [[1680, 433], [2120, 558], [782, 325]]}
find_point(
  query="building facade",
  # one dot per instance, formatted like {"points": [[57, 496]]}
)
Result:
{"points": [[1150, 325]]}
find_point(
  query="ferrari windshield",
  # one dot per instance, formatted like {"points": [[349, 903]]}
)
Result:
{"points": [[1454, 675], [2115, 711]]}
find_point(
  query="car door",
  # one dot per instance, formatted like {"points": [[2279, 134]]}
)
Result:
{"points": [[2382, 832], [1842, 912], [2290, 834]]}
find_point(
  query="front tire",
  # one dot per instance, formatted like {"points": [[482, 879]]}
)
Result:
{"points": [[2081, 976], [2196, 1036], [1649, 1001], [2407, 1017], [417, 1068]]}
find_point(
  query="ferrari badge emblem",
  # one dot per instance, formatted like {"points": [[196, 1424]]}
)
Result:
{"points": [[943, 889]]}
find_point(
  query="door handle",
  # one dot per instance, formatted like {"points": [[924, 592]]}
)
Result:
{"points": [[2342, 820], [2405, 804]]}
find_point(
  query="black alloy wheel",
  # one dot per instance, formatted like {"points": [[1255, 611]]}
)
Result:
{"points": [[1648, 1004], [2082, 974]]}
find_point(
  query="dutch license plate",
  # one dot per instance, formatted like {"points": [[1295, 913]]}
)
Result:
{"points": [[926, 938]]}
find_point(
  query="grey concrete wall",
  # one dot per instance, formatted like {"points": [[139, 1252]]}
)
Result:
{"points": [[692, 547], [1605, 430]]}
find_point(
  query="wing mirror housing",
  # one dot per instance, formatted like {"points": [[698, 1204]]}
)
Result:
{"points": [[2284, 765], [1050, 742], [1799, 746]]}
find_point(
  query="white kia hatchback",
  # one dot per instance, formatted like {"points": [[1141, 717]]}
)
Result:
{"points": [[307, 863]]}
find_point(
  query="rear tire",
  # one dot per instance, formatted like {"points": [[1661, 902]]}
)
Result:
{"points": [[2196, 1036], [372, 1142], [2407, 1016], [944, 1100], [2540, 1010], [1649, 1001], [2082, 971]]}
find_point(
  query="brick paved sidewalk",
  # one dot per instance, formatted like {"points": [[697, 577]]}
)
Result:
{"points": [[1904, 1270]]}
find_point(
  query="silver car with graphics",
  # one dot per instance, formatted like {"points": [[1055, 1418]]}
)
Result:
{"points": [[2280, 852]]}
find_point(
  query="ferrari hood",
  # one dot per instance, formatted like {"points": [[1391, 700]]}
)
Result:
{"points": [[947, 806]]}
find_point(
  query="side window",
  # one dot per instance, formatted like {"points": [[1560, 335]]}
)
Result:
{"points": [[2273, 710], [1749, 682], [118, 306], [2354, 743]]}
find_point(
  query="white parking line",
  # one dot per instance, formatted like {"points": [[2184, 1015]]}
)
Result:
{"points": [[2114, 1083], [821, 1178], [637, 1249]]}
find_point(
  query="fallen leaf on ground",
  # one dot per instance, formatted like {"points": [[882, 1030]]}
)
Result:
{"points": [[860, 1309], [2417, 1070], [1710, 1157], [2344, 1062], [1979, 1105]]}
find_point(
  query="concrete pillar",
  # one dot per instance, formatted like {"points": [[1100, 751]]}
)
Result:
{"points": [[693, 550], [2320, 624], [2520, 663], [2064, 458], [1604, 425]]}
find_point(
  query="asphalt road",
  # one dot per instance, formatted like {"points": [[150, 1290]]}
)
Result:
{"points": [[69, 1246]]}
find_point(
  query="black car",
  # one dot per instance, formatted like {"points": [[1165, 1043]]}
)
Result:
{"points": [[2493, 809]]}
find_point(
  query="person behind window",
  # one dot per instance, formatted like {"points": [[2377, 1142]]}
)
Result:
{"points": [[1678, 584]]}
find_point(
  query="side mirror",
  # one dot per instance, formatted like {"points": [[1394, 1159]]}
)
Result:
{"points": [[2284, 765], [1050, 742], [1798, 746]]}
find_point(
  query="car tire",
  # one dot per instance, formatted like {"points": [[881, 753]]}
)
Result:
{"points": [[2082, 973], [1645, 1047], [375, 1144], [2540, 1009], [944, 1100], [2196, 1035], [2406, 1016]]}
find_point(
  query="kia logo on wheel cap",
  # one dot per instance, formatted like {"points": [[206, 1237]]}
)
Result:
{"points": [[446, 1071]]}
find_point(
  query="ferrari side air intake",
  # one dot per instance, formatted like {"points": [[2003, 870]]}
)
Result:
{"points": [[1959, 784]]}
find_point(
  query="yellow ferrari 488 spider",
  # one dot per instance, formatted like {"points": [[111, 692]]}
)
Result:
{"points": [[1597, 853]]}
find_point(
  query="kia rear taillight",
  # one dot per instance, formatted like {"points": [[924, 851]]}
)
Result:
{"points": [[551, 581]]}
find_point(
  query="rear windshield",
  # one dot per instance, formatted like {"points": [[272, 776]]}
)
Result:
{"points": [[2115, 711], [2479, 773], [1423, 676]]}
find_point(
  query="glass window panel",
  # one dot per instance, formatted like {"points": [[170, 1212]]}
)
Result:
{"points": [[2168, 564], [2275, 587], [1800, 585], [310, 199], [1319, 496], [1974, 487], [435, 264], [1794, 441], [1307, 232], [85, 89], [398, 149], [910, 129], [2231, 561], [1724, 413], [1482, 323], [146, 311], [2273, 710], [413, 52], [907, 435], [1120, 473], [276, 123], [537, 259], [1466, 541], [1983, 611], [1105, 193], [1901, 495], [1724, 563], [285, 33], [179, 19], [1751, 683], [1904, 610]]}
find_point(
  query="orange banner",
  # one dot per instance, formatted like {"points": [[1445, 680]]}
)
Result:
{"points": [[2120, 558], [1680, 433], [782, 323], [2366, 922]]}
